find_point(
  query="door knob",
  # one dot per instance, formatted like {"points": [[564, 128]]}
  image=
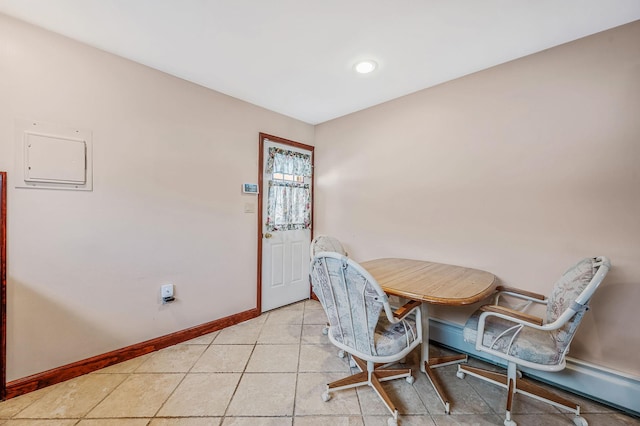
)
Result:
{"points": [[268, 235]]}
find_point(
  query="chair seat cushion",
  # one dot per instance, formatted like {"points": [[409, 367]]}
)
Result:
{"points": [[528, 344], [391, 339], [537, 346]]}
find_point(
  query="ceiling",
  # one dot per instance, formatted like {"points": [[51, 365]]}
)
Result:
{"points": [[296, 57]]}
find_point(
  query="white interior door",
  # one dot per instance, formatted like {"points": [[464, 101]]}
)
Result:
{"points": [[286, 230]]}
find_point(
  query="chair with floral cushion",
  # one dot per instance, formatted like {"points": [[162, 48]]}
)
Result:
{"points": [[522, 339], [362, 323], [331, 244], [326, 243]]}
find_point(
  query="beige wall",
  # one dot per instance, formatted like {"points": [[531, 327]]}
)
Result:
{"points": [[520, 170], [85, 268]]}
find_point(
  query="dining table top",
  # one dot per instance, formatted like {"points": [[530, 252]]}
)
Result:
{"points": [[431, 282]]}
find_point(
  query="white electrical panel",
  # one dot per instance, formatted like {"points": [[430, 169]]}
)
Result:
{"points": [[50, 158], [53, 157]]}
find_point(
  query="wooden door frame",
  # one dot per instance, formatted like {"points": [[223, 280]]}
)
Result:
{"points": [[294, 144], [3, 285]]}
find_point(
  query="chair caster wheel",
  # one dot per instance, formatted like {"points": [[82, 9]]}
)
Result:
{"points": [[410, 379], [341, 354], [392, 422], [460, 374], [325, 330], [580, 421], [326, 396], [510, 423]]}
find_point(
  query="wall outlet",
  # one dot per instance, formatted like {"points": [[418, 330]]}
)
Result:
{"points": [[166, 292]]}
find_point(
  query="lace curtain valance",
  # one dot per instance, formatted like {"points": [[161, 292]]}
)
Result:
{"points": [[288, 162]]}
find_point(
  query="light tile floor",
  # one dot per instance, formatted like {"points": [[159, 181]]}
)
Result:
{"points": [[270, 371]]}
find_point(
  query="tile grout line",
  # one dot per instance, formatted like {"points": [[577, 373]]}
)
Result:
{"points": [[183, 377], [295, 389], [244, 370], [483, 398], [350, 371], [84, 416]]}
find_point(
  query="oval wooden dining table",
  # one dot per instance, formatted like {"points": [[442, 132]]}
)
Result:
{"points": [[432, 283]]}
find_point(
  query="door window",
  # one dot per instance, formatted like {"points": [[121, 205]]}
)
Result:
{"points": [[289, 195]]}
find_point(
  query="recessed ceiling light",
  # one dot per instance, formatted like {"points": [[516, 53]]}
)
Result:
{"points": [[365, 67]]}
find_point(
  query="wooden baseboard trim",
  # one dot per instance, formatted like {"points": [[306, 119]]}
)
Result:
{"points": [[79, 368]]}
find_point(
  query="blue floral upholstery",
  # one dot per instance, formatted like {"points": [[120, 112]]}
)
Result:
{"points": [[538, 346], [354, 306], [393, 338]]}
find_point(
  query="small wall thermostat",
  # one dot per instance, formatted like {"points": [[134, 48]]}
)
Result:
{"points": [[250, 188]]}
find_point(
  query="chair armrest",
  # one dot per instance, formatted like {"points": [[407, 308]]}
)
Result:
{"points": [[403, 310], [512, 291], [529, 296], [513, 313]]}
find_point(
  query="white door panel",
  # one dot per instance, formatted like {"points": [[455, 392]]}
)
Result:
{"points": [[276, 265], [285, 253]]}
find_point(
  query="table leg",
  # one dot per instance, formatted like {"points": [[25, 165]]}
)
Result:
{"points": [[424, 311], [427, 363]]}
